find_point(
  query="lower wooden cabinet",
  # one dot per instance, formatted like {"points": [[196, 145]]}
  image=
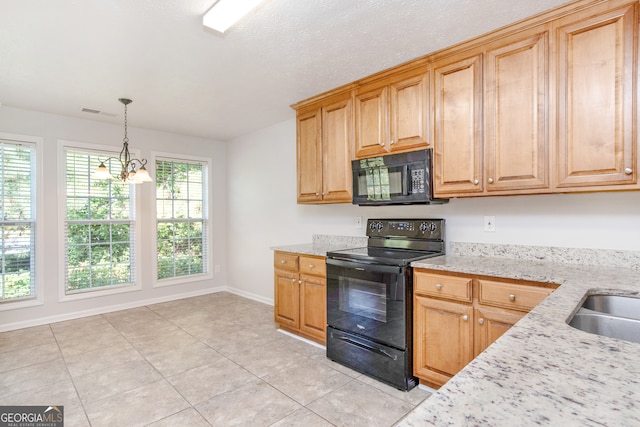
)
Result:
{"points": [[443, 338], [458, 316], [300, 304]]}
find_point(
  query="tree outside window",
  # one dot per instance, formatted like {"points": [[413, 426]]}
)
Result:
{"points": [[17, 221], [181, 218], [99, 226]]}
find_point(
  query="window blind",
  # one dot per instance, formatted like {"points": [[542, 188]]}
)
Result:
{"points": [[17, 221]]}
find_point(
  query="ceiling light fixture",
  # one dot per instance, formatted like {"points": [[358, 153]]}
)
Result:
{"points": [[128, 173], [224, 13]]}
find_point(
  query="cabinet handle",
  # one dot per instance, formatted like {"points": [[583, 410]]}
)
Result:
{"points": [[311, 266], [628, 171], [476, 182], [512, 297], [481, 321], [490, 180], [438, 286], [465, 317]]}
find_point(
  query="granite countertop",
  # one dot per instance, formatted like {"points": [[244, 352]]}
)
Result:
{"points": [[542, 371], [321, 244]]}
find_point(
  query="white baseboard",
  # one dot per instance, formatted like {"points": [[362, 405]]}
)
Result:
{"points": [[249, 295], [298, 337], [108, 309]]}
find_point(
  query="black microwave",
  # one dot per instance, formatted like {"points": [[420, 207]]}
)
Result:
{"points": [[394, 179]]}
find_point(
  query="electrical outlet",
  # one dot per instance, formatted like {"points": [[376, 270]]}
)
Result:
{"points": [[490, 223], [358, 222], [216, 269]]}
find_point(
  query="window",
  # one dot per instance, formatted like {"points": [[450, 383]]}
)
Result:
{"points": [[99, 226], [181, 209], [17, 221]]}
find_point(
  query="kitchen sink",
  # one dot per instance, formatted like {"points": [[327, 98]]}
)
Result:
{"points": [[611, 316], [614, 305]]}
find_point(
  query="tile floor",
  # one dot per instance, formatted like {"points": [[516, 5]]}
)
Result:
{"points": [[210, 360]]}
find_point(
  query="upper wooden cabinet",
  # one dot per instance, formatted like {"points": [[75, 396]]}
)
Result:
{"points": [[546, 105], [516, 112], [597, 97], [391, 115], [458, 125], [324, 141], [511, 155]]}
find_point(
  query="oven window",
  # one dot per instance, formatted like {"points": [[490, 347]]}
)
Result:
{"points": [[363, 298]]}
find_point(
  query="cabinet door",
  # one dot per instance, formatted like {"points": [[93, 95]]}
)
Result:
{"points": [[490, 324], [596, 91], [337, 140], [516, 112], [309, 155], [409, 112], [287, 299], [443, 337], [372, 118], [313, 301], [458, 126]]}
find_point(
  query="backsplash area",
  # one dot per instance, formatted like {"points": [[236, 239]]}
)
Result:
{"points": [[347, 241], [604, 257]]}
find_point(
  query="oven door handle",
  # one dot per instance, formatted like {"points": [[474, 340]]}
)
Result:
{"points": [[372, 268], [367, 347]]}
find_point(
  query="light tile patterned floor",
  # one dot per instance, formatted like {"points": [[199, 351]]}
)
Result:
{"points": [[210, 360]]}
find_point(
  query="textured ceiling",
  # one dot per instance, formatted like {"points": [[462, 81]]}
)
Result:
{"points": [[60, 56]]}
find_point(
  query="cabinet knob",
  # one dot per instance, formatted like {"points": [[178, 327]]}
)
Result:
{"points": [[317, 194], [381, 143], [481, 321], [300, 282], [628, 171], [476, 182], [490, 180], [512, 297], [438, 286], [392, 142], [465, 317], [293, 280], [282, 261], [311, 266]]}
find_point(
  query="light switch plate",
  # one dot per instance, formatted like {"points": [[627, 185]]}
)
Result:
{"points": [[358, 222]]}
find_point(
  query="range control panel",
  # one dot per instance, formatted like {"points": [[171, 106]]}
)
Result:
{"points": [[432, 228]]}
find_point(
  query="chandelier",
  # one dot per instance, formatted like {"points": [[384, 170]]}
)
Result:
{"points": [[128, 173]]}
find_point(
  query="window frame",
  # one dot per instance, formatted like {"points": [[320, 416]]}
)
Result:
{"points": [[136, 285], [36, 201], [208, 275]]}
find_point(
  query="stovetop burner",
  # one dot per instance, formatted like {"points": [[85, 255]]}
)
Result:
{"points": [[397, 242], [388, 256]]}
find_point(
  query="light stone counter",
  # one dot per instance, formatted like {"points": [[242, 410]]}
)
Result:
{"points": [[542, 371], [321, 244]]}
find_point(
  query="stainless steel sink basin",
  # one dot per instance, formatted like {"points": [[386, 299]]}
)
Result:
{"points": [[614, 305], [611, 316]]}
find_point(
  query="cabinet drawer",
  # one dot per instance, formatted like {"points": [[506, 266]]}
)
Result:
{"points": [[450, 287], [285, 261], [312, 265], [510, 295]]}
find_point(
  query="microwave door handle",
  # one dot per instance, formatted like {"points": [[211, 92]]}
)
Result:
{"points": [[406, 172]]}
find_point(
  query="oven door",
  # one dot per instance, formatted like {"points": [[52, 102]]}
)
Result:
{"points": [[370, 300]]}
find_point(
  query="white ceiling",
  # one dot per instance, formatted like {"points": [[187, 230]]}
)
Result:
{"points": [[60, 56]]}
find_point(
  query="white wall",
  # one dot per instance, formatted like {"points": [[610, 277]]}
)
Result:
{"points": [[53, 128], [263, 213]]}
